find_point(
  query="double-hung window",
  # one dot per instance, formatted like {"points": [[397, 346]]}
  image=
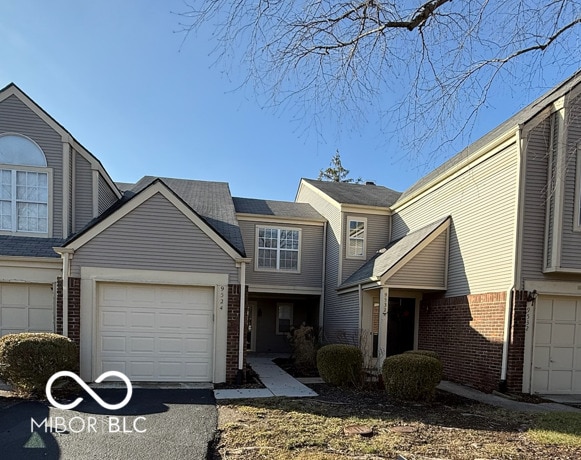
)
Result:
{"points": [[24, 186], [278, 249], [356, 235]]}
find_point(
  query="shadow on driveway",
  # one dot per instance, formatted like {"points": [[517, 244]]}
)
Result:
{"points": [[155, 424]]}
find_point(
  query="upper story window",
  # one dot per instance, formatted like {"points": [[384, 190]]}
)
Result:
{"points": [[278, 249], [23, 186], [356, 236]]}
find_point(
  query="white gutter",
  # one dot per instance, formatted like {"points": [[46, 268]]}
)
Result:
{"points": [[241, 338]]}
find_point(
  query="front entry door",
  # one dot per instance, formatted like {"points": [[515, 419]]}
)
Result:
{"points": [[400, 325]]}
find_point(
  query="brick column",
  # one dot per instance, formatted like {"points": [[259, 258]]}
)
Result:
{"points": [[74, 314], [234, 332]]}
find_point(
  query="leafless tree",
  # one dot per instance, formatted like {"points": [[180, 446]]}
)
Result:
{"points": [[427, 65]]}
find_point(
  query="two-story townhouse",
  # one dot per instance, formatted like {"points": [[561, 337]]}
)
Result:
{"points": [[481, 263], [285, 278], [149, 281]]}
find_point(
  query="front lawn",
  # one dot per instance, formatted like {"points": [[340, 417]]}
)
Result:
{"points": [[449, 428]]}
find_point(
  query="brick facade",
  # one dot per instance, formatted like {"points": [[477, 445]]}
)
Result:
{"points": [[467, 332], [234, 332], [74, 314]]}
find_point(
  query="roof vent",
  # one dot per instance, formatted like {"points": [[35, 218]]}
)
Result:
{"points": [[369, 182]]}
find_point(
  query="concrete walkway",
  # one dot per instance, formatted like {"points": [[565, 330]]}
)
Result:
{"points": [[499, 401], [276, 381]]}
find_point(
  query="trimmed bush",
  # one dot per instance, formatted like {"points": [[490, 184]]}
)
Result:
{"points": [[28, 360], [412, 376], [430, 353], [340, 364]]}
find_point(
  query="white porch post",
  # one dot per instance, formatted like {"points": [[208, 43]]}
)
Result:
{"points": [[382, 336]]}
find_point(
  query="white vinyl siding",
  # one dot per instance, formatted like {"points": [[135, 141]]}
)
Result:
{"points": [[482, 204], [156, 236], [16, 117]]}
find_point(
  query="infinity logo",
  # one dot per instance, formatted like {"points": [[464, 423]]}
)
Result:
{"points": [[88, 389]]}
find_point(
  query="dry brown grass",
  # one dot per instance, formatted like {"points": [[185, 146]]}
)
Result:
{"points": [[448, 428]]}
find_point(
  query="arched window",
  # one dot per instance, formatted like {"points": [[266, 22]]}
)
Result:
{"points": [[23, 186]]}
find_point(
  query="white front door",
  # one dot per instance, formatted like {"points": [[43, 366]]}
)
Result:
{"points": [[26, 308], [557, 345], [156, 332]]}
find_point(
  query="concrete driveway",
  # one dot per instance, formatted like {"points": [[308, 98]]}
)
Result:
{"points": [[156, 424]]}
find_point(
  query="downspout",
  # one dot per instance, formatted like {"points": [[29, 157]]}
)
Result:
{"points": [[66, 255], [510, 293], [323, 281], [241, 333]]}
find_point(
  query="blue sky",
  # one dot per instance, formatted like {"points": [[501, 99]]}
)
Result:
{"points": [[116, 75]]}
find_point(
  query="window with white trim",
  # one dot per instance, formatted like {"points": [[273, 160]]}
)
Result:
{"points": [[24, 188], [278, 249], [356, 237], [284, 318]]}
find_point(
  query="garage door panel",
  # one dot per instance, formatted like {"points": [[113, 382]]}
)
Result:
{"points": [[557, 345], [38, 318], [14, 317], [168, 339]]}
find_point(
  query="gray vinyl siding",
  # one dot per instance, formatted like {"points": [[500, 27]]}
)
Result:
{"points": [[16, 117], [536, 146], [336, 317], [155, 236], [571, 239], [377, 237], [311, 256], [348, 307], [83, 198], [482, 203], [426, 269], [70, 223], [106, 195], [550, 185]]}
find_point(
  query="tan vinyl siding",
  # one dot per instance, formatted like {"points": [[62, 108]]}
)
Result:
{"points": [[311, 256], [83, 192], [377, 236], [536, 146], [335, 318], [426, 269], [571, 240], [16, 117], [106, 196], [481, 202], [155, 236]]}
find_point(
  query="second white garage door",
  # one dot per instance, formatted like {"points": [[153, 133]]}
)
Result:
{"points": [[156, 332], [26, 308], [557, 348]]}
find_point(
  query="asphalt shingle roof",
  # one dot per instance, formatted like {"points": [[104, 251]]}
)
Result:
{"points": [[357, 194], [211, 200], [25, 246], [386, 258], [529, 112], [276, 208]]}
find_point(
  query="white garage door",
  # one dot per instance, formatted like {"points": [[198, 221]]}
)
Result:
{"points": [[26, 308], [557, 350], [156, 333]]}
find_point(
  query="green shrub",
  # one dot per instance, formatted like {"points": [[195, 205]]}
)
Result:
{"points": [[430, 353], [412, 376], [28, 360], [340, 364]]}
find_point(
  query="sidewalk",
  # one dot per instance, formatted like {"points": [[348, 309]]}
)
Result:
{"points": [[276, 381], [505, 403]]}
